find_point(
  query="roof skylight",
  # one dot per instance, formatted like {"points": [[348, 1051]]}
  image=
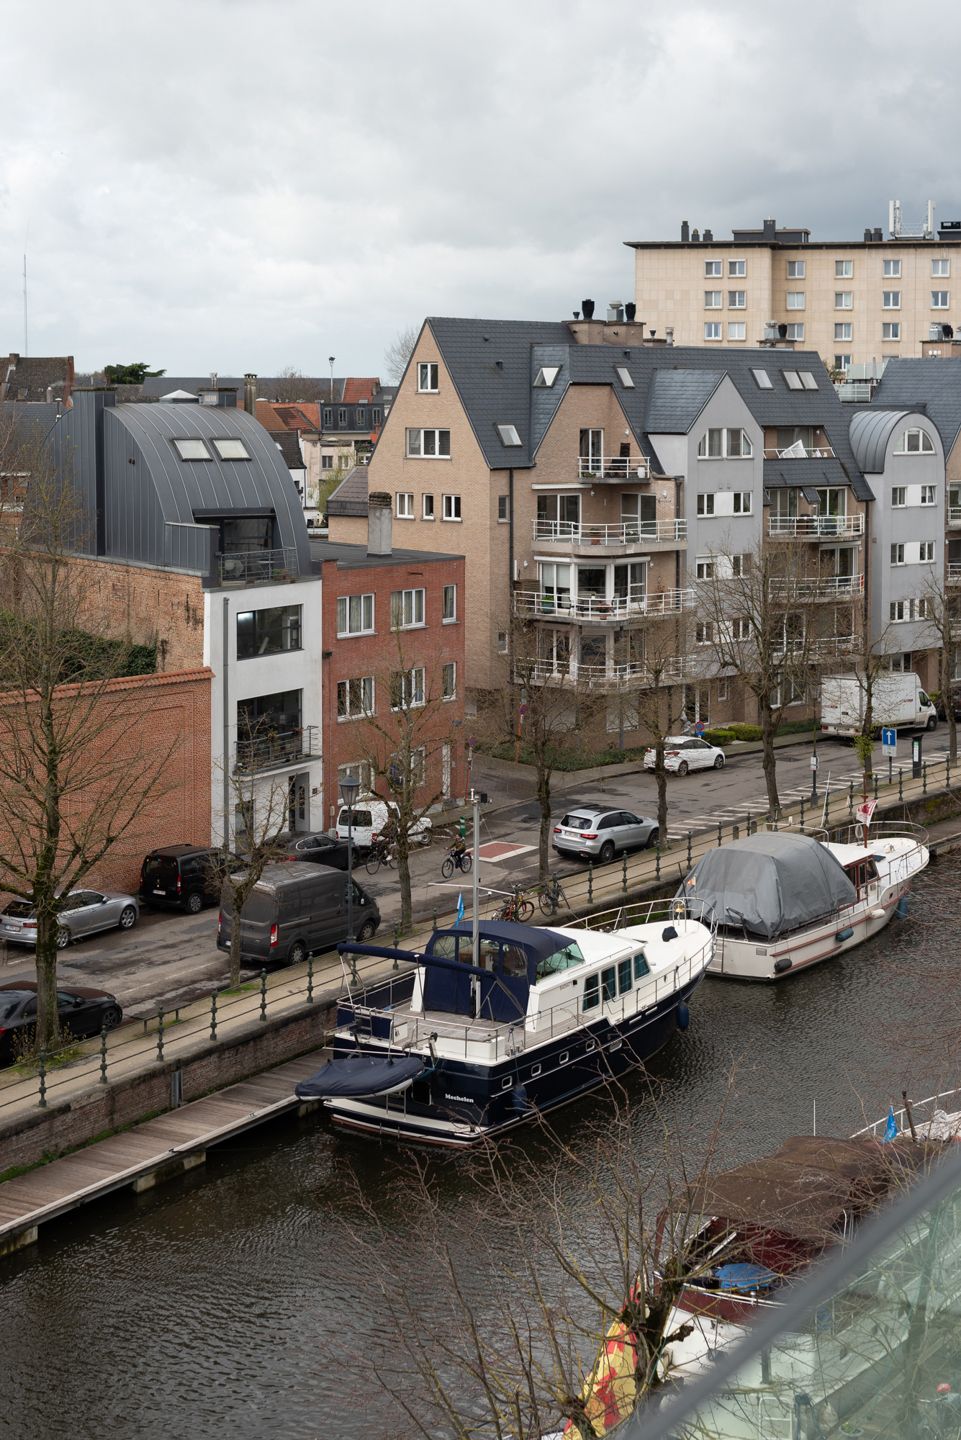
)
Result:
{"points": [[808, 380], [762, 379], [792, 380], [508, 434], [192, 450], [231, 449], [625, 376], [546, 376]]}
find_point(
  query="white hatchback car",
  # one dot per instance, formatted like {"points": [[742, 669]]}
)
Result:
{"points": [[686, 752]]}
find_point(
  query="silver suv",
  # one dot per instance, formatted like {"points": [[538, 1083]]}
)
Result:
{"points": [[592, 833]]}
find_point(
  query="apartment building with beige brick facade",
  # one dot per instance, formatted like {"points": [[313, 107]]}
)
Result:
{"points": [[855, 302]]}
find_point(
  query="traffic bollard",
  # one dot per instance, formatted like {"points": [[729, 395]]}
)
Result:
{"points": [[213, 1016], [590, 881], [263, 996], [624, 873], [689, 849], [310, 979], [657, 861], [160, 1035], [900, 783]]}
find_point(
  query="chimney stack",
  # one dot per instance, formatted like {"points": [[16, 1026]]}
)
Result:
{"points": [[685, 233], [379, 524], [250, 393], [769, 229], [708, 234]]}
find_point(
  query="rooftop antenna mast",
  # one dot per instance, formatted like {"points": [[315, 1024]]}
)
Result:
{"points": [[26, 348]]}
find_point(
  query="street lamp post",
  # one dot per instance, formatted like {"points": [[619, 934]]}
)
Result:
{"points": [[348, 793]]}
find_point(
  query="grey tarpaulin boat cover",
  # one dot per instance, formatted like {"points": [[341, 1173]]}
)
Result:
{"points": [[769, 884], [361, 1075]]}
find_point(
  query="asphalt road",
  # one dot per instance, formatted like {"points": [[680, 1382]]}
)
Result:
{"points": [[170, 957]]}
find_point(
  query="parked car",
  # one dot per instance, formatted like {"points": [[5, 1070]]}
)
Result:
{"points": [[369, 818], [955, 695], [184, 877], [686, 752], [591, 832], [82, 1011], [320, 849], [294, 910], [85, 912]]}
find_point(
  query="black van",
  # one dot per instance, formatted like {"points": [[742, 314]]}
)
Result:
{"points": [[296, 908], [184, 877]]}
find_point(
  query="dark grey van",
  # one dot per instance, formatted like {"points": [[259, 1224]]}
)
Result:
{"points": [[295, 908]]}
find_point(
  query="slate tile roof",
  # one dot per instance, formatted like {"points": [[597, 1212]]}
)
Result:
{"points": [[350, 497], [933, 386], [31, 377]]}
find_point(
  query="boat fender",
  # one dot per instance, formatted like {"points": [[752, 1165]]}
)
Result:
{"points": [[668, 933], [844, 934], [683, 1016], [519, 1099], [782, 965], [902, 907]]}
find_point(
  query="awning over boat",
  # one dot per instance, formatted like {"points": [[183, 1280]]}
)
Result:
{"points": [[357, 1075], [770, 884]]}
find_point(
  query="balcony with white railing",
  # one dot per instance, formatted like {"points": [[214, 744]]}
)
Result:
{"points": [[625, 468], [613, 676], [815, 527], [832, 645], [952, 572], [954, 516], [637, 604], [797, 451], [629, 534], [832, 589]]}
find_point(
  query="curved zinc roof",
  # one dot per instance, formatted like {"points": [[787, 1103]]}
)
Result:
{"points": [[871, 432], [176, 492]]}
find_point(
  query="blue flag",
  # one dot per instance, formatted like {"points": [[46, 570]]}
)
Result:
{"points": [[891, 1131], [460, 907]]}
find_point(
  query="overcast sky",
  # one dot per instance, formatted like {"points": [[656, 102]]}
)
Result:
{"points": [[224, 185]]}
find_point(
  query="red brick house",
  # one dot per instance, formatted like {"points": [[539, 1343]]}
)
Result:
{"points": [[393, 637]]}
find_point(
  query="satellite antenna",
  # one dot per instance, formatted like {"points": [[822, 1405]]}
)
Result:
{"points": [[26, 348]]}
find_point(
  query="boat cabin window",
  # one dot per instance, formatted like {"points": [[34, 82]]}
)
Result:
{"points": [[505, 958], [641, 967], [624, 979], [560, 960], [513, 960], [609, 983], [592, 992], [862, 872], [446, 948]]}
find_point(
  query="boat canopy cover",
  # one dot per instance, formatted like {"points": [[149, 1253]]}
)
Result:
{"points": [[508, 955], [361, 1075], [770, 884], [806, 1188]]}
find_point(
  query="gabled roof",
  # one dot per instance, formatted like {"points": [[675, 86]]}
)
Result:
{"points": [[677, 397], [360, 389], [36, 377], [933, 386], [289, 446], [350, 497]]}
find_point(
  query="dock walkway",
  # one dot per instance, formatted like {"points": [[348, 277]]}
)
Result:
{"points": [[150, 1152]]}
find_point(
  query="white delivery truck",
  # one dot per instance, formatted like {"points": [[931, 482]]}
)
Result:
{"points": [[897, 700]]}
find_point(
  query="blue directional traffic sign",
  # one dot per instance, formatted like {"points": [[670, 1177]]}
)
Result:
{"points": [[889, 741]]}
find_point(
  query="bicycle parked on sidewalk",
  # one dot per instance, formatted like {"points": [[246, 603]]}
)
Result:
{"points": [[551, 897], [457, 858], [516, 907]]}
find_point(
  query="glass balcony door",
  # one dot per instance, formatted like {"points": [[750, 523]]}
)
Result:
{"points": [[638, 516]]}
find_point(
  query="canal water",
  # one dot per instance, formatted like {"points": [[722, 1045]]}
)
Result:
{"points": [[214, 1307]]}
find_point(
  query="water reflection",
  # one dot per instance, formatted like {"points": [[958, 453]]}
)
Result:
{"points": [[209, 1307]]}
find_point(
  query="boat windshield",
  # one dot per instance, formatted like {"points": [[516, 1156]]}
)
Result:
{"points": [[560, 960]]}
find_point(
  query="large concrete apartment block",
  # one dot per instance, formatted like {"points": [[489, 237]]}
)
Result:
{"points": [[854, 301]]}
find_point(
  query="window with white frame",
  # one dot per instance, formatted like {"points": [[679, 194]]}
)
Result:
{"points": [[926, 552], [736, 269], [705, 504], [721, 691], [449, 681], [899, 497], [929, 495], [897, 554], [725, 444], [625, 376], [704, 567], [891, 299], [891, 330], [502, 642], [427, 507], [795, 331], [406, 609], [736, 330], [796, 269], [940, 268], [713, 269], [843, 330], [844, 300], [737, 299], [355, 615], [704, 632], [843, 269], [450, 507], [355, 698], [503, 512], [509, 436], [712, 330], [914, 441], [229, 449], [342, 416], [792, 380], [428, 444], [190, 449], [326, 462], [545, 377], [741, 565], [940, 299], [808, 381], [428, 372], [359, 770], [740, 628], [712, 299], [891, 269], [405, 505], [842, 362], [407, 689], [449, 605], [914, 609], [743, 502], [762, 379], [795, 300]]}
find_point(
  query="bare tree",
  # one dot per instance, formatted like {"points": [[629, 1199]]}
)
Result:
{"points": [[943, 606], [74, 775], [401, 742], [399, 351], [757, 616], [290, 386], [658, 702]]}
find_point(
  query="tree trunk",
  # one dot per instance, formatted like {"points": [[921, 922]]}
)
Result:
{"points": [[660, 775], [544, 834], [48, 1020], [403, 875], [235, 945], [769, 761]]}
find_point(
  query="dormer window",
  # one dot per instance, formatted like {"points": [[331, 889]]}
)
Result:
{"points": [[546, 376], [192, 450], [914, 442], [230, 449], [509, 435], [625, 376]]}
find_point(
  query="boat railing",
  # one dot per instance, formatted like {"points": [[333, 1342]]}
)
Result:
{"points": [[928, 1115], [649, 912]]}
